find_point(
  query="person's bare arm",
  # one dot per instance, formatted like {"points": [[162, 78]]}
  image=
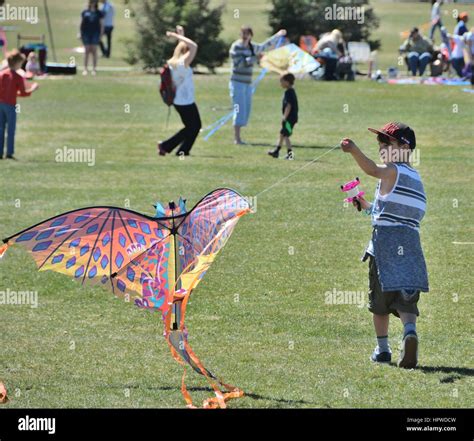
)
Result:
{"points": [[22, 90], [179, 35], [383, 171], [287, 111], [33, 87]]}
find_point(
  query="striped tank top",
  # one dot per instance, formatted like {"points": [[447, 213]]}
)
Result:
{"points": [[405, 205]]}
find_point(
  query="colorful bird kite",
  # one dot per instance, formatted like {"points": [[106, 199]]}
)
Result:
{"points": [[155, 262]]}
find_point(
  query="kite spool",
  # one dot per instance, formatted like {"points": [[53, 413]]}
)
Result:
{"points": [[353, 192]]}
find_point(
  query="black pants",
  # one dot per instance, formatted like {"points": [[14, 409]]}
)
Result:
{"points": [[192, 124], [108, 34]]}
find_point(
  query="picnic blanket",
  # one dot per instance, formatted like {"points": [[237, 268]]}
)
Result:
{"points": [[430, 81]]}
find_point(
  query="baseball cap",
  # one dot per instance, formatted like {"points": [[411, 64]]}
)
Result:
{"points": [[398, 131]]}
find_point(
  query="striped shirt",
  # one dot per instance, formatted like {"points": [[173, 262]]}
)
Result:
{"points": [[243, 59], [405, 205]]}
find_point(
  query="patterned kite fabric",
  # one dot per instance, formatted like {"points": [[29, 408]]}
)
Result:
{"points": [[154, 262]]}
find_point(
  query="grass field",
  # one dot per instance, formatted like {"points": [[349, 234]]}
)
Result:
{"points": [[259, 317]]}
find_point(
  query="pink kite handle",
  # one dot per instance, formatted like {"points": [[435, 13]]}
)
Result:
{"points": [[352, 189]]}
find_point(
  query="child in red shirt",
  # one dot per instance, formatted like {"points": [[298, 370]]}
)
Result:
{"points": [[11, 86]]}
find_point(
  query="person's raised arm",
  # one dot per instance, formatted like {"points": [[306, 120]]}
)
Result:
{"points": [[267, 44], [366, 164], [192, 46]]}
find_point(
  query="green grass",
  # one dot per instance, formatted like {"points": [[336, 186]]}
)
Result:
{"points": [[280, 342]]}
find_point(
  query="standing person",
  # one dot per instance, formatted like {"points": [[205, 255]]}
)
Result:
{"points": [[108, 12], [457, 51], [90, 31], [244, 55], [461, 27], [12, 85], [435, 17], [419, 51], [290, 116], [469, 41], [397, 269], [182, 76]]}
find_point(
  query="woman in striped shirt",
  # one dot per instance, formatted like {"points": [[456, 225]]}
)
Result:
{"points": [[244, 54], [397, 269]]}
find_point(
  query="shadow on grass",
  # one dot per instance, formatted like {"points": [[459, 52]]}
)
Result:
{"points": [[246, 394], [266, 144], [457, 373], [213, 156], [211, 391]]}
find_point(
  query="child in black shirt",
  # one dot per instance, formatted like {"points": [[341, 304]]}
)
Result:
{"points": [[290, 116]]}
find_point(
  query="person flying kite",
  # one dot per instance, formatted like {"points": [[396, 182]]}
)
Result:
{"points": [[397, 268]]}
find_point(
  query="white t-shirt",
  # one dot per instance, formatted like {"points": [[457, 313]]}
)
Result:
{"points": [[457, 51], [182, 77]]}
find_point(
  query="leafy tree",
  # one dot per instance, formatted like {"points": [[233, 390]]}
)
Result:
{"points": [[154, 17], [302, 17]]}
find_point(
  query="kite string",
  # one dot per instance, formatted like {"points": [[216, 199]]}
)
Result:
{"points": [[297, 171]]}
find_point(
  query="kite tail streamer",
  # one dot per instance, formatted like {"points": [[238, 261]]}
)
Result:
{"points": [[3, 394], [214, 124], [221, 397], [3, 249], [219, 401], [219, 124], [184, 391]]}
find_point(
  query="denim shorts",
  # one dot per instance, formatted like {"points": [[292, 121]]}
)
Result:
{"points": [[90, 39], [241, 94]]}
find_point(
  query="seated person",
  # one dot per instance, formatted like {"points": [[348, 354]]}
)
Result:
{"points": [[32, 65], [327, 49], [418, 50]]}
